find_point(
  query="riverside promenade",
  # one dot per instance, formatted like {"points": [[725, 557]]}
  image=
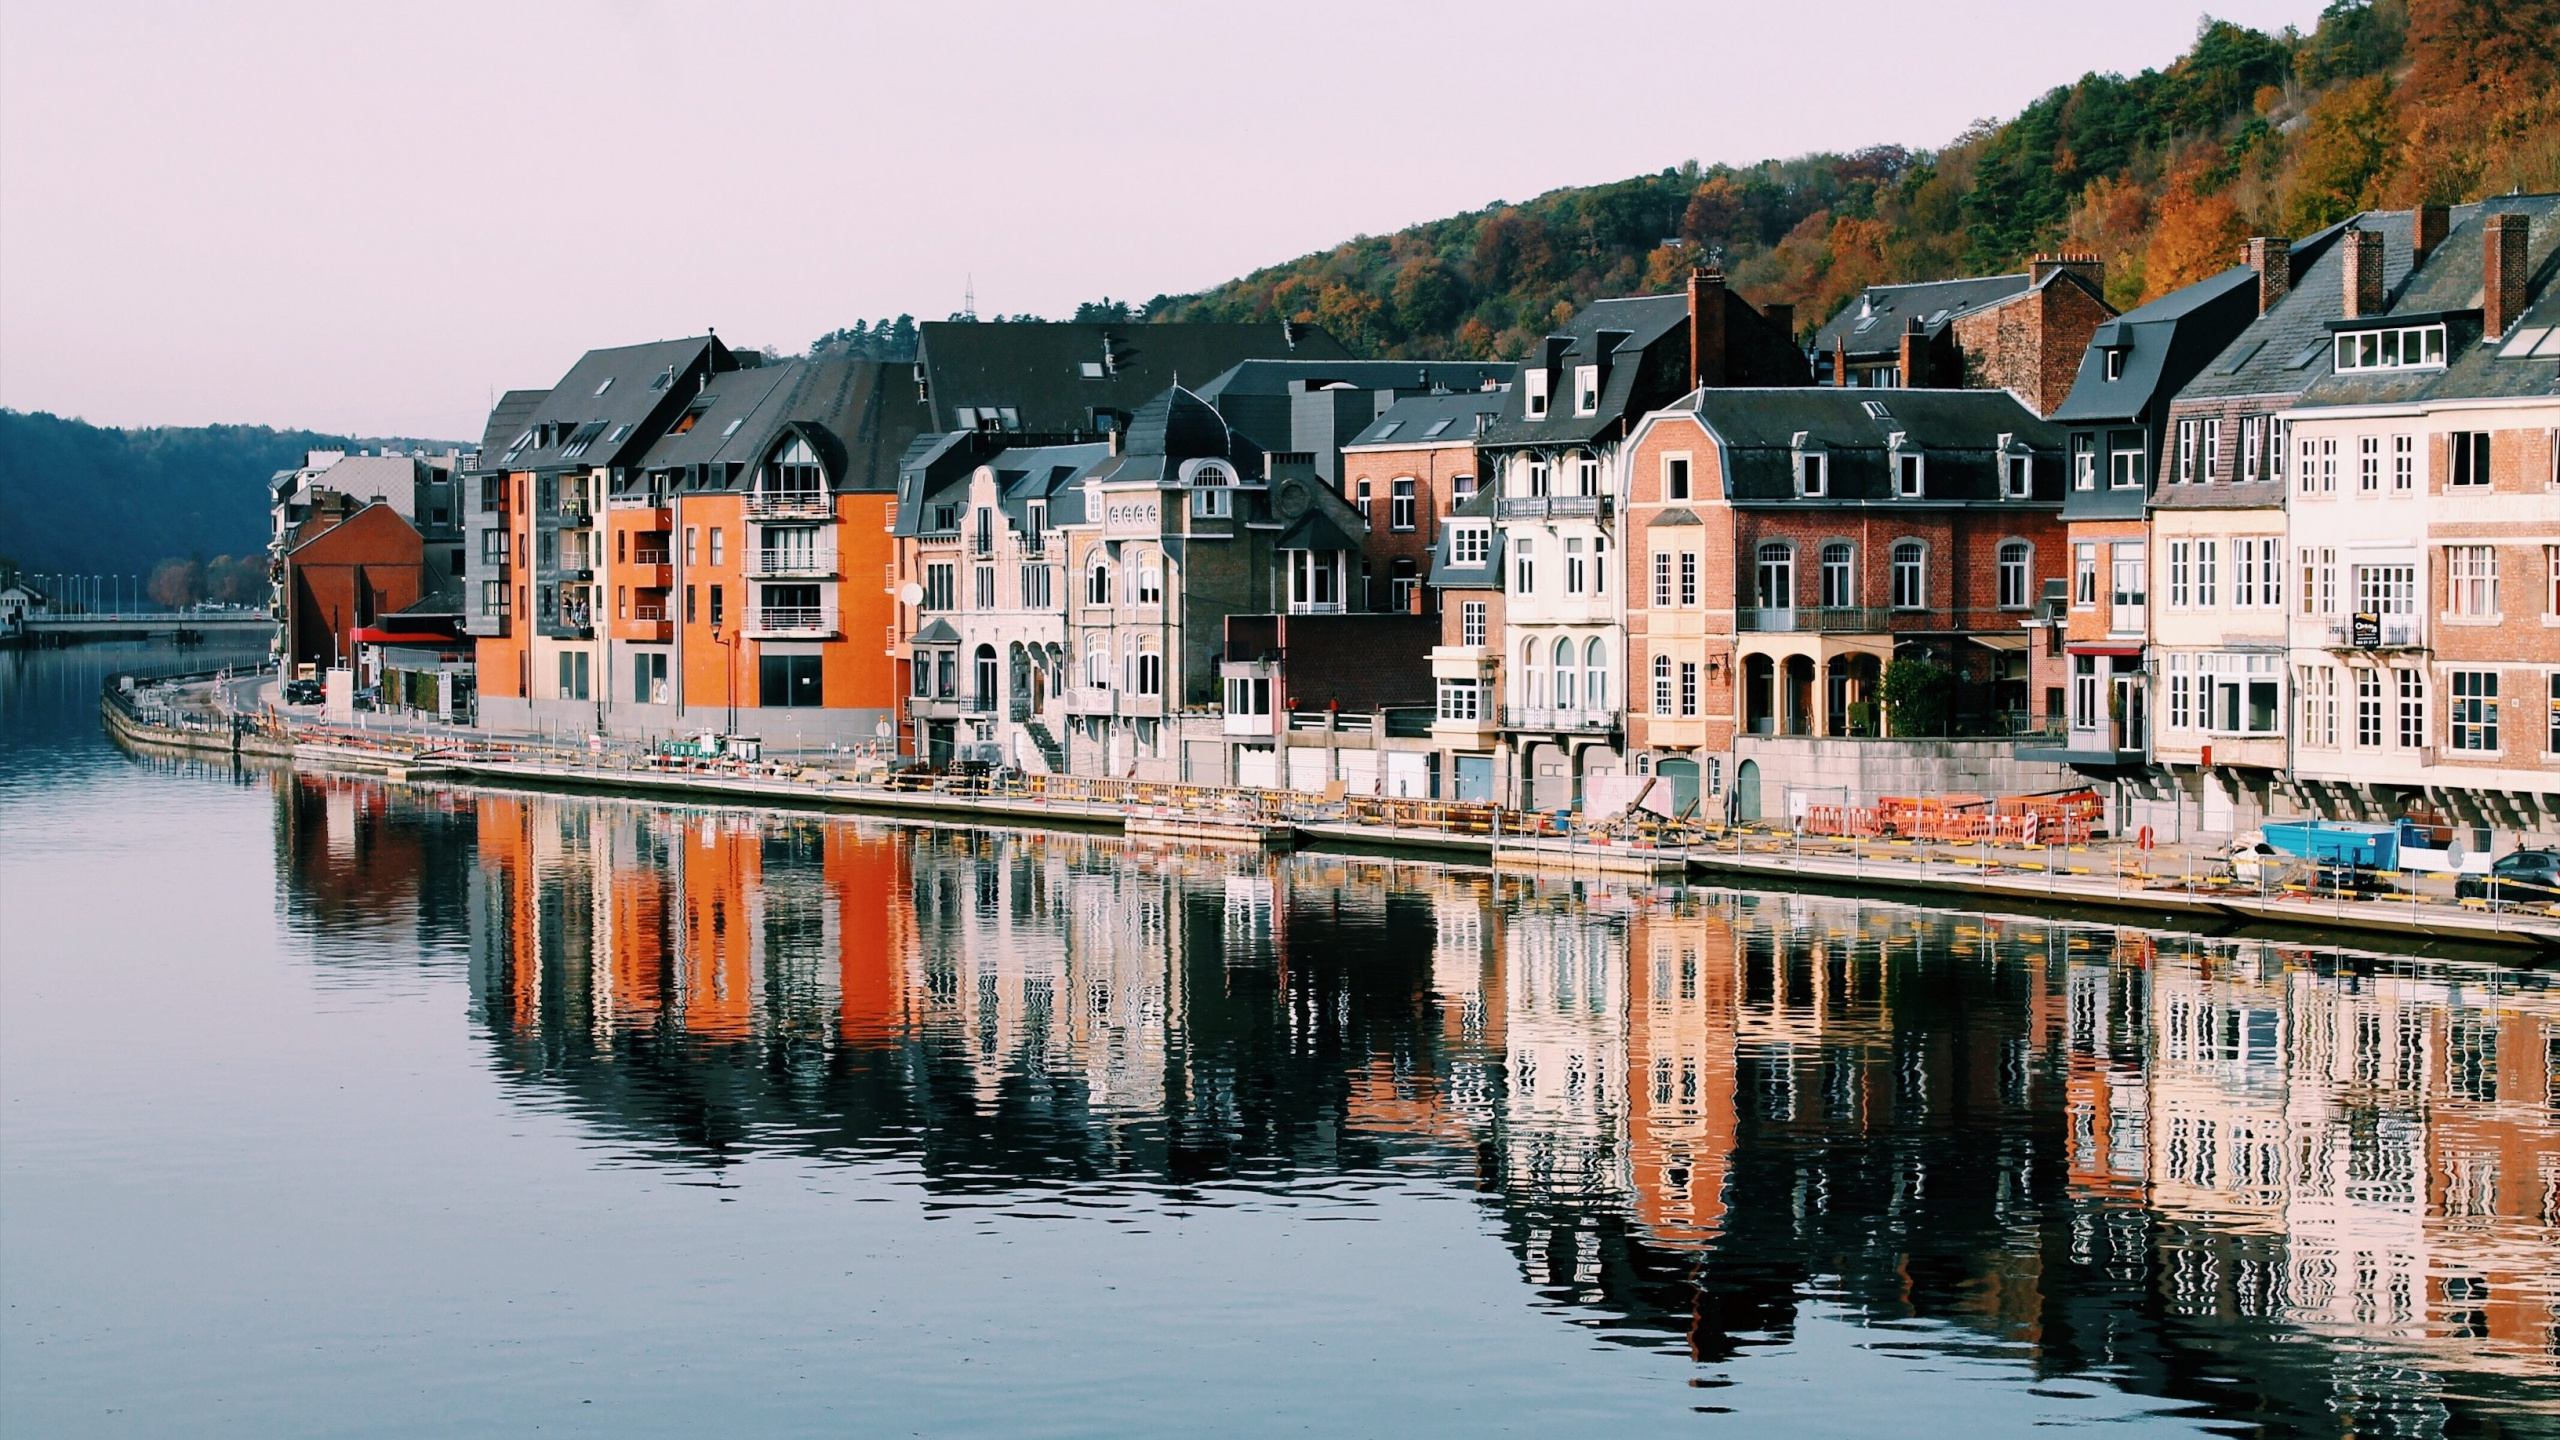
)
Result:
{"points": [[2176, 887]]}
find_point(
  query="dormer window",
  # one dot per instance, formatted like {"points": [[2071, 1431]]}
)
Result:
{"points": [[2017, 469], [1469, 545], [1875, 410], [2112, 359], [2413, 347], [1586, 389], [604, 385], [1533, 394], [1212, 489], [1813, 468], [1910, 470]]}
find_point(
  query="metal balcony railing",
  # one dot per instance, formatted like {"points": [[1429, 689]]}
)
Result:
{"points": [[1553, 507], [794, 620], [1576, 719], [2391, 634], [777, 564], [1808, 619], [782, 504]]}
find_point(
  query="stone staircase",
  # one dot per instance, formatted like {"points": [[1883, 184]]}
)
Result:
{"points": [[1053, 756]]}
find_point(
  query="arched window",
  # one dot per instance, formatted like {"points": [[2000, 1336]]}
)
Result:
{"points": [[1777, 576], [1910, 575], [1644, 764], [1565, 687], [984, 666], [1097, 583], [1097, 662], [1212, 488], [1150, 667], [1661, 684], [1839, 576], [1146, 578], [1533, 685], [1595, 674], [2017, 573], [793, 473]]}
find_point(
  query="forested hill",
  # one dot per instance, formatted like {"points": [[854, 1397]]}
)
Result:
{"points": [[82, 498], [2164, 174]]}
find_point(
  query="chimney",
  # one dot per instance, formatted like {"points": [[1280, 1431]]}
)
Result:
{"points": [[2364, 273], [1706, 329], [2272, 257], [2085, 265], [2433, 222], [1840, 358], [1915, 356], [1115, 439], [2502, 271]]}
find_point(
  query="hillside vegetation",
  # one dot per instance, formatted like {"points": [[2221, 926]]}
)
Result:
{"points": [[91, 500], [2163, 175]]}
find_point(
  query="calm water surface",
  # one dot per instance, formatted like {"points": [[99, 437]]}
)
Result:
{"points": [[328, 1107]]}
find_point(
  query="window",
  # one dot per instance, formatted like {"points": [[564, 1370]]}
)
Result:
{"points": [[1150, 670], [946, 674], [2368, 464], [1662, 579], [2112, 365], [2208, 574], [2551, 737], [799, 681], [1675, 477], [1909, 473], [719, 547], [2412, 690], [1595, 674], [2124, 459], [2244, 694], [2131, 589], [2368, 708], [1837, 586], [2018, 470], [1470, 544], [2474, 708], [688, 605], [1813, 474], [2551, 580], [2404, 463], [2387, 589], [2017, 561], [1539, 481], [1462, 488], [2470, 451], [1689, 689], [1097, 583], [2182, 714], [1212, 493], [493, 547], [2084, 576], [574, 674], [2084, 462], [2212, 457], [2319, 564], [1035, 587], [1586, 389], [718, 608], [2318, 685], [2186, 472], [921, 671], [938, 592], [692, 533], [1910, 575], [1776, 576], [2085, 711], [1573, 572], [2324, 480], [493, 597], [1566, 674], [2407, 348], [2181, 574], [1097, 662], [1661, 684], [1533, 393], [986, 587], [2252, 429], [2279, 437], [1459, 699], [1400, 506], [2471, 580], [1586, 474], [1149, 583], [1689, 578], [1524, 566], [1471, 622], [1362, 505], [2250, 555]]}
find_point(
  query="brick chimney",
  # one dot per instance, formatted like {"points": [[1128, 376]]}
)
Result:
{"points": [[1840, 358], [2364, 273], [2272, 257], [1915, 355], [2502, 265], [1706, 329], [2433, 222], [2085, 265]]}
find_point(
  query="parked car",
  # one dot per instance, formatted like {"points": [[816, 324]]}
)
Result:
{"points": [[2529, 876], [304, 692]]}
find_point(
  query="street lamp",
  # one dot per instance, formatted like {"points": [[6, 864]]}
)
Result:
{"points": [[730, 678]]}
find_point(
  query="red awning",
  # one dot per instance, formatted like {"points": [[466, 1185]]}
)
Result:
{"points": [[415, 639], [2126, 652]]}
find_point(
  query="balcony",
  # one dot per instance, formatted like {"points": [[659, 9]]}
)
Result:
{"points": [[791, 622], [796, 563], [1573, 721], [574, 514], [2384, 633], [934, 707], [1554, 507], [1814, 620], [790, 505], [646, 628]]}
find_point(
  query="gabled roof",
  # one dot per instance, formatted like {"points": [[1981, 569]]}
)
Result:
{"points": [[2164, 344], [1958, 433], [1053, 375], [939, 468], [858, 415], [1175, 426], [1873, 324], [2448, 286], [1278, 377], [1425, 420], [508, 418], [938, 632], [1614, 333], [604, 408], [1480, 508], [2285, 348]]}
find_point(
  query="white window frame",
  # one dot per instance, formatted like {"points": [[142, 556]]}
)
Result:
{"points": [[1534, 392], [1586, 389]]}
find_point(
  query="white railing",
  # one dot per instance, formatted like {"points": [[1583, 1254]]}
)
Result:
{"points": [[789, 620]]}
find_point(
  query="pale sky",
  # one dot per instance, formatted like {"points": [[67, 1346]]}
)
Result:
{"points": [[365, 218]]}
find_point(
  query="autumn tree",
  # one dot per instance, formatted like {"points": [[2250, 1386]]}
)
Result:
{"points": [[2198, 235]]}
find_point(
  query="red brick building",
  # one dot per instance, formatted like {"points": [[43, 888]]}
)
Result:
{"points": [[2022, 333], [1405, 473], [343, 575]]}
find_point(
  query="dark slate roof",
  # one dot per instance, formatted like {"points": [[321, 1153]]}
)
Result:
{"points": [[1050, 473], [1037, 370], [616, 399], [1412, 421], [1173, 427], [938, 468], [2284, 349], [858, 415], [1626, 328], [1314, 530], [2167, 342], [1488, 576], [1957, 432], [939, 632], [1873, 324], [1281, 377], [508, 418], [2450, 281]]}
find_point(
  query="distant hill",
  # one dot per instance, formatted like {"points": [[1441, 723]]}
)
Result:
{"points": [[87, 499], [2385, 103]]}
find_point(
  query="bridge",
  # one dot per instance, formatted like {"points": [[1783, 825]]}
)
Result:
{"points": [[48, 630]]}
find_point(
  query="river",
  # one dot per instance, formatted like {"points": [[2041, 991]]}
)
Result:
{"points": [[333, 1107]]}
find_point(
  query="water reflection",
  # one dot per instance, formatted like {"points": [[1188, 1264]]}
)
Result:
{"points": [[2295, 1190]]}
